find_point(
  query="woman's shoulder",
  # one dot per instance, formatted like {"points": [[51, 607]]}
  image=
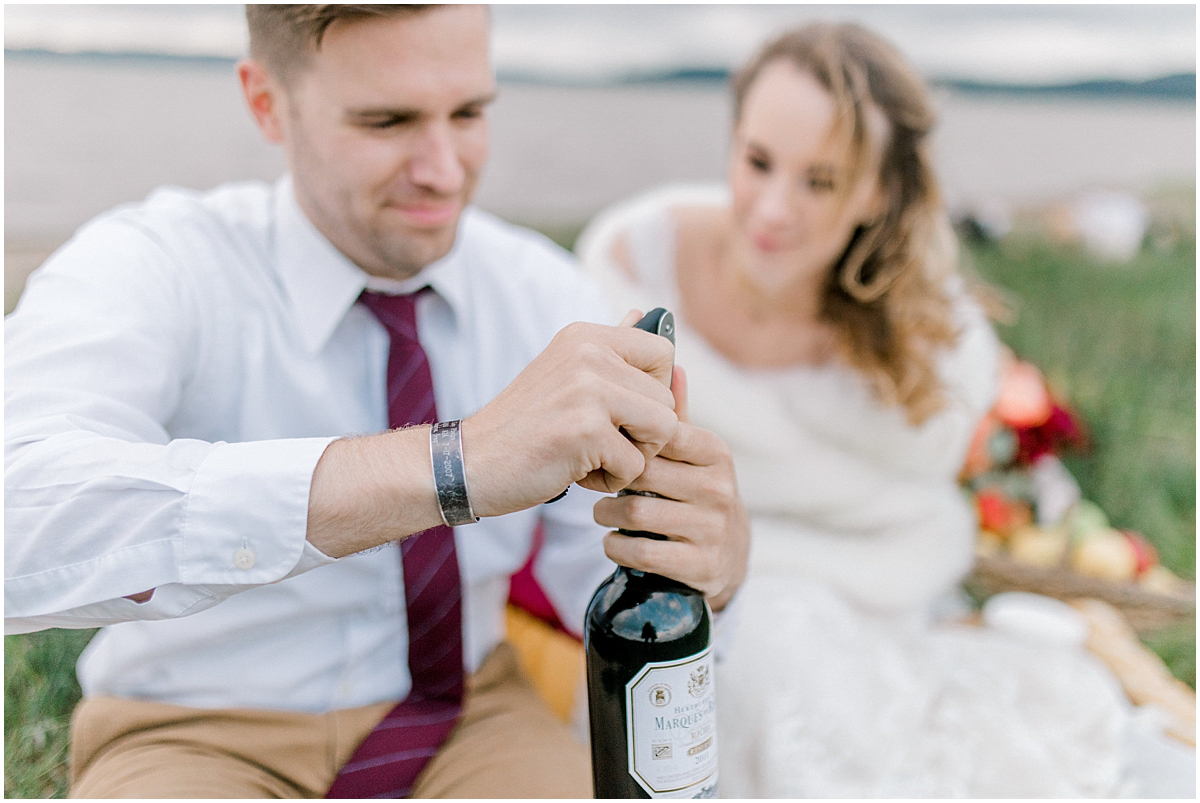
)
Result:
{"points": [[637, 236], [663, 200]]}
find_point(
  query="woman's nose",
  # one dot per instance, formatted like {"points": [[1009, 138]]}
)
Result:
{"points": [[435, 164], [774, 202]]}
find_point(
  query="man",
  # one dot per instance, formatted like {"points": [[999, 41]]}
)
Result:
{"points": [[182, 379]]}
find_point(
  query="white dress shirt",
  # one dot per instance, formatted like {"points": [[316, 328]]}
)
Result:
{"points": [[174, 373]]}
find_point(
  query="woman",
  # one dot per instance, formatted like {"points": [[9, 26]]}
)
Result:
{"points": [[830, 340]]}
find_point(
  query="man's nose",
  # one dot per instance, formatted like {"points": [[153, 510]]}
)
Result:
{"points": [[435, 164]]}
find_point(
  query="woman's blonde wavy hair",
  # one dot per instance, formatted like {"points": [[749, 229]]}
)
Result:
{"points": [[886, 295]]}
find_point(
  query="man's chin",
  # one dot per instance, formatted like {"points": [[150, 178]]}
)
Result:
{"points": [[406, 254]]}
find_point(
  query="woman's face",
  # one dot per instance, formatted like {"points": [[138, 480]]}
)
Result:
{"points": [[788, 171]]}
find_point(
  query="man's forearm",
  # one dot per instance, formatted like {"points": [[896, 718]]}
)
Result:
{"points": [[370, 490]]}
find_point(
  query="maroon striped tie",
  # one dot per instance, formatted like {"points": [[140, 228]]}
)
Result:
{"points": [[388, 761]]}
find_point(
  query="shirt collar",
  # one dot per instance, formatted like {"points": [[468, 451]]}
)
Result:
{"points": [[323, 283]]}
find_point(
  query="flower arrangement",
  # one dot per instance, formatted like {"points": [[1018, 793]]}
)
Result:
{"points": [[1030, 508]]}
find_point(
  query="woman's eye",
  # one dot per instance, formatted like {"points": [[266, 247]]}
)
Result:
{"points": [[820, 179], [758, 163]]}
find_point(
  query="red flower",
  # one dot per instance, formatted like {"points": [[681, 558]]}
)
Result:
{"points": [[1061, 431]]}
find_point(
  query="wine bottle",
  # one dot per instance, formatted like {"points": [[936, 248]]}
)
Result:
{"points": [[651, 707]]}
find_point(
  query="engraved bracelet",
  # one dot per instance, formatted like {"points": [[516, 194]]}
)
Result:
{"points": [[449, 476]]}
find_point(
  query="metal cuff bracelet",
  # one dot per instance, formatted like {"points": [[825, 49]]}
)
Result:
{"points": [[449, 476]]}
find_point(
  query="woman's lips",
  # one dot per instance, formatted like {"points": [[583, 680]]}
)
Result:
{"points": [[429, 215], [767, 243]]}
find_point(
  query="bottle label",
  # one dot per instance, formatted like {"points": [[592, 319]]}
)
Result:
{"points": [[671, 727]]}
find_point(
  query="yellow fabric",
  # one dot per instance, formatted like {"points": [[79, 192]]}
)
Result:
{"points": [[552, 660], [1143, 674]]}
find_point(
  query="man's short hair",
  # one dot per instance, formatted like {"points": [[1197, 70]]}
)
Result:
{"points": [[285, 36]]}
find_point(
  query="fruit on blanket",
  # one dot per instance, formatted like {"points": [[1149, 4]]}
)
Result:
{"points": [[1084, 518], [1001, 513], [1043, 547], [1162, 580], [993, 511], [1147, 555], [1105, 554]]}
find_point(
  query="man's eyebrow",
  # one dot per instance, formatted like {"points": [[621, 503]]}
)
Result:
{"points": [[482, 100], [405, 113]]}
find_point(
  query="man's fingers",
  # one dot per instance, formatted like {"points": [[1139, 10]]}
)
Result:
{"points": [[645, 351], [676, 519], [669, 478], [631, 317], [651, 426], [694, 445], [628, 357], [643, 554], [620, 461], [682, 559], [679, 391]]}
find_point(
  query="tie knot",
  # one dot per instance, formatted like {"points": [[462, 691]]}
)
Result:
{"points": [[398, 313]]}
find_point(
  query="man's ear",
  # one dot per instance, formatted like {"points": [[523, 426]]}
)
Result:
{"points": [[264, 97]]}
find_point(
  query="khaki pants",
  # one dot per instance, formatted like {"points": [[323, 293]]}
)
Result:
{"points": [[507, 744]]}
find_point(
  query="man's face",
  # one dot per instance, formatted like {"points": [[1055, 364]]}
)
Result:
{"points": [[385, 134]]}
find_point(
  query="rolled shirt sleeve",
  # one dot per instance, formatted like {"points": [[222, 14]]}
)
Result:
{"points": [[101, 501], [195, 532]]}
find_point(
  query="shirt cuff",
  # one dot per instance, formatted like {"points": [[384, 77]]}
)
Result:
{"points": [[247, 513]]}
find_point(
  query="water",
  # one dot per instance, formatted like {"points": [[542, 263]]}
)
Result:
{"points": [[84, 134]]}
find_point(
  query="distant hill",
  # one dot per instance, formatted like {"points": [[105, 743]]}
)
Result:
{"points": [[1181, 86], [707, 75], [121, 57]]}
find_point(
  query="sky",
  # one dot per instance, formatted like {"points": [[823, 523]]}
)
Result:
{"points": [[1027, 43]]}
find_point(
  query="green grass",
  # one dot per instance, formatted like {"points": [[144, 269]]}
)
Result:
{"points": [[1119, 342], [40, 691]]}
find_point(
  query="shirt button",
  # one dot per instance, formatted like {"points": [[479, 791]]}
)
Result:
{"points": [[243, 559]]}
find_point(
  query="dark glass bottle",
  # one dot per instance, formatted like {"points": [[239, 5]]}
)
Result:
{"points": [[650, 679]]}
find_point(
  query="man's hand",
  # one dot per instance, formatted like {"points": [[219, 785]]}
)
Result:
{"points": [[701, 513], [592, 408]]}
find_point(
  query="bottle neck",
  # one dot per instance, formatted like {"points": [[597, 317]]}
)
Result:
{"points": [[638, 578]]}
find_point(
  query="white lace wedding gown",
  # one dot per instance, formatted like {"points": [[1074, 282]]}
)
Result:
{"points": [[841, 681]]}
